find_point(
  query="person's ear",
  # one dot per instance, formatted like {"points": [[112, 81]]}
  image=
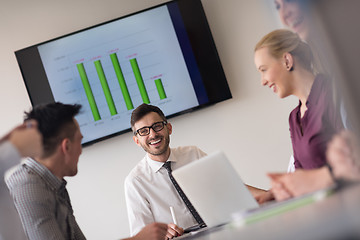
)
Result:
{"points": [[136, 140], [65, 145], [169, 127], [289, 61]]}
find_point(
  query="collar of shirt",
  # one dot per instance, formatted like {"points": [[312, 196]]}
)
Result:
{"points": [[316, 88], [155, 165], [315, 92], [50, 179]]}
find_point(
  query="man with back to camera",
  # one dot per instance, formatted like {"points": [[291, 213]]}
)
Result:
{"points": [[22, 141], [38, 186]]}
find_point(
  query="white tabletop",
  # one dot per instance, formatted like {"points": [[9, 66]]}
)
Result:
{"points": [[335, 217]]}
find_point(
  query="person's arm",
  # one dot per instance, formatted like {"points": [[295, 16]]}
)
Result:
{"points": [[200, 153], [26, 138], [9, 156], [11, 152], [10, 225], [139, 211], [344, 156], [138, 208], [36, 207], [260, 195], [153, 231], [22, 141], [300, 182]]}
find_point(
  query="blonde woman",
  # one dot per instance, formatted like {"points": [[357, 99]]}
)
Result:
{"points": [[285, 64]]}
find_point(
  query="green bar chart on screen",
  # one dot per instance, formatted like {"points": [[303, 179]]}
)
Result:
{"points": [[105, 87], [88, 91], [139, 80], [121, 80], [160, 88]]}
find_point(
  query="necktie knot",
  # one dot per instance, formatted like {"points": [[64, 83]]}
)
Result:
{"points": [[167, 166]]}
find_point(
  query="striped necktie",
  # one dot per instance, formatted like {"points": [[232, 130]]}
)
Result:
{"points": [[188, 204]]}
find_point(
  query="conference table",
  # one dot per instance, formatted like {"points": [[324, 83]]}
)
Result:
{"points": [[336, 216]]}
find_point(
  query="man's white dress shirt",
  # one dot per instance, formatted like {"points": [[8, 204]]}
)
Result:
{"points": [[149, 191]]}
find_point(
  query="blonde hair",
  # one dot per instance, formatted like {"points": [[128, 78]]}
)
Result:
{"points": [[282, 41]]}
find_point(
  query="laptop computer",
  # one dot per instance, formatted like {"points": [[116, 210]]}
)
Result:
{"points": [[214, 188]]}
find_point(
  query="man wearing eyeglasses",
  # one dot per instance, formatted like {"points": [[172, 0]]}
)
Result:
{"points": [[149, 191]]}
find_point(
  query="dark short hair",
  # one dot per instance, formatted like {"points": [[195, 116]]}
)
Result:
{"points": [[143, 110], [55, 122]]}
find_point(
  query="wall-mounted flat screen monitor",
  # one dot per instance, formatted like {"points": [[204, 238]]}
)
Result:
{"points": [[164, 56]]}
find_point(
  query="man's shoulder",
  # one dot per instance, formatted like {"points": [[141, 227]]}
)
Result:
{"points": [[185, 149], [22, 177], [138, 171], [186, 154], [191, 151]]}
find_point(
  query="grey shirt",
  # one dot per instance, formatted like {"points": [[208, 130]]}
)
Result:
{"points": [[43, 203], [10, 225]]}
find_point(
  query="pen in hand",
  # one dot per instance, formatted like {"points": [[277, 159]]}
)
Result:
{"points": [[173, 215]]}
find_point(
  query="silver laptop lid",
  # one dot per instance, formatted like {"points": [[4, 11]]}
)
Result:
{"points": [[214, 188]]}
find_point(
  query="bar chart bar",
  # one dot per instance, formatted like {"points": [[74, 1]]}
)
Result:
{"points": [[139, 80], [105, 87], [160, 88], [121, 80], [88, 91]]}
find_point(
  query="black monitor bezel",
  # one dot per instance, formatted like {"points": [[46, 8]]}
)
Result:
{"points": [[202, 44]]}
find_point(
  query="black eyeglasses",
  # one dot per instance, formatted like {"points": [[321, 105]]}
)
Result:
{"points": [[144, 131]]}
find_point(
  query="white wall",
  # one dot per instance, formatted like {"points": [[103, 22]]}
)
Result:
{"points": [[252, 128]]}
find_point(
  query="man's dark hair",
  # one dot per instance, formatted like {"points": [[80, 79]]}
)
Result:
{"points": [[55, 122], [143, 110]]}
